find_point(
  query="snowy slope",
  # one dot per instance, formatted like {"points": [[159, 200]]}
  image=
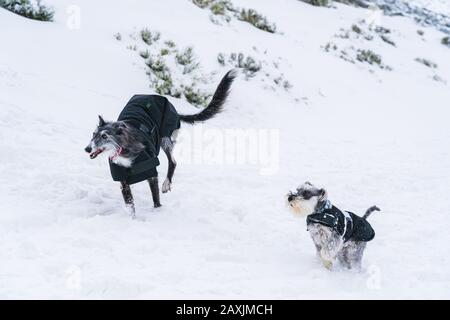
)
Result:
{"points": [[369, 136]]}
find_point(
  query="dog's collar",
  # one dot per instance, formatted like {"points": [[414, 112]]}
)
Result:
{"points": [[322, 206], [116, 154]]}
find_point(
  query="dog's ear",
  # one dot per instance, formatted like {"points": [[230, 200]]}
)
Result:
{"points": [[101, 122], [323, 195]]}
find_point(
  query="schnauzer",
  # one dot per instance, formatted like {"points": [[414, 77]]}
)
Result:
{"points": [[338, 235]]}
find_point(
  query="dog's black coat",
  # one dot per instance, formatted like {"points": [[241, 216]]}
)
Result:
{"points": [[155, 117], [350, 226]]}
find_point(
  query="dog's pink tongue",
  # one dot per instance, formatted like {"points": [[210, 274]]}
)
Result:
{"points": [[93, 155]]}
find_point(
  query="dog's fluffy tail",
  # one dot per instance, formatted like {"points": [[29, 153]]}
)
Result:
{"points": [[370, 210], [217, 102]]}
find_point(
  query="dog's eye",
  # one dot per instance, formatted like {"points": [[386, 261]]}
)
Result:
{"points": [[306, 194], [104, 136]]}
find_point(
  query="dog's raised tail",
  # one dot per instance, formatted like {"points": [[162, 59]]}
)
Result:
{"points": [[370, 210], [217, 102]]}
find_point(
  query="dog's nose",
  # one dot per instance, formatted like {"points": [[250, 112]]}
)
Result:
{"points": [[291, 197], [88, 149]]}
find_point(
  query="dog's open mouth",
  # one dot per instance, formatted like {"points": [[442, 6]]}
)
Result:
{"points": [[94, 154]]}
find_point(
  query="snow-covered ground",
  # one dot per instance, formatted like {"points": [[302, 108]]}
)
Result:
{"points": [[370, 136]]}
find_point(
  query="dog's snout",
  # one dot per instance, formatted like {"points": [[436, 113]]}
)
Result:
{"points": [[88, 149], [291, 197]]}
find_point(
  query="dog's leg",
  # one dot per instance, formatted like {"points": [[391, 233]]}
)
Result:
{"points": [[330, 250], [167, 145], [155, 191], [128, 198], [353, 254]]}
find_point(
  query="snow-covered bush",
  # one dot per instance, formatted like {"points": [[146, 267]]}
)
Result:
{"points": [[226, 10], [186, 59], [29, 9], [249, 66], [368, 56], [356, 3], [427, 63], [372, 58], [195, 96], [446, 41], [343, 44], [253, 68], [257, 20], [172, 71], [387, 40], [148, 37], [318, 3]]}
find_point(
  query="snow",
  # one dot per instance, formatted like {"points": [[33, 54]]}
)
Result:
{"points": [[367, 135]]}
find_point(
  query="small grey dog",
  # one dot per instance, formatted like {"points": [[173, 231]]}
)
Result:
{"points": [[146, 124], [339, 236]]}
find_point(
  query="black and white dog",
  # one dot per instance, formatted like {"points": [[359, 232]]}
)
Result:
{"points": [[146, 124], [338, 235]]}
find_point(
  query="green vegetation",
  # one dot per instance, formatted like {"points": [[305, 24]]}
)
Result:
{"points": [[257, 20], [427, 63], [27, 9], [226, 9], [318, 3]]}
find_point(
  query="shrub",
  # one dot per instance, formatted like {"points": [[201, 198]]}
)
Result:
{"points": [[148, 37], [172, 72], [426, 62], [157, 65], [170, 44], [330, 46], [163, 84], [225, 9], [369, 57], [28, 9], [387, 40], [195, 96], [250, 67], [446, 41], [318, 3], [144, 54], [186, 59], [257, 20], [202, 3], [219, 8], [356, 29], [382, 30]]}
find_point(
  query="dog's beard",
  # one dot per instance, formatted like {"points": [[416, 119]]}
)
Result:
{"points": [[302, 208]]}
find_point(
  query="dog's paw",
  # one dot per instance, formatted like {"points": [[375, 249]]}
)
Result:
{"points": [[131, 211], [327, 264], [167, 186]]}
